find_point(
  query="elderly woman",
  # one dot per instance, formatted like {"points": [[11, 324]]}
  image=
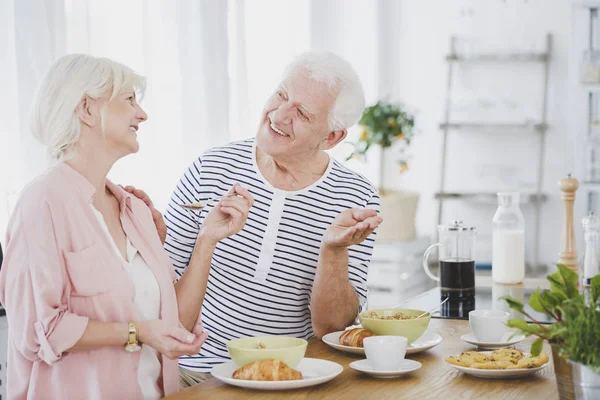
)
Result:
{"points": [[88, 289]]}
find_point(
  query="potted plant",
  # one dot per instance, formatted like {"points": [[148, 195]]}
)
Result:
{"points": [[581, 340], [563, 299], [385, 125]]}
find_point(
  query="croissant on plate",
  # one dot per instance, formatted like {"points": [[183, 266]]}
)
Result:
{"points": [[354, 337], [267, 370]]}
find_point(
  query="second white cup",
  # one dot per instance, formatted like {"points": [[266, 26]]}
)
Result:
{"points": [[385, 353], [488, 325]]}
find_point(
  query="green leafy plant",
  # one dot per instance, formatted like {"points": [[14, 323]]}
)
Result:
{"points": [[384, 124], [581, 323], [563, 286], [571, 312]]}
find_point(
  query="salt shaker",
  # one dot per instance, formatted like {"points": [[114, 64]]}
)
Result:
{"points": [[591, 267]]}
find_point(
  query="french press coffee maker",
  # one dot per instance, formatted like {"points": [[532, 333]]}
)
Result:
{"points": [[456, 259]]}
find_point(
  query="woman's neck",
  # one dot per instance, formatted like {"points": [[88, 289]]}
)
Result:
{"points": [[94, 169]]}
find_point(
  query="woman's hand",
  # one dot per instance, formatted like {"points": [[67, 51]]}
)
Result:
{"points": [[159, 222], [229, 216], [172, 341]]}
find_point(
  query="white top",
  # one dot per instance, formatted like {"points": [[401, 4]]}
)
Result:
{"points": [[147, 307]]}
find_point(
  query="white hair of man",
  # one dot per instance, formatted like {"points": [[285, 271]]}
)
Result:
{"points": [[340, 78], [54, 120]]}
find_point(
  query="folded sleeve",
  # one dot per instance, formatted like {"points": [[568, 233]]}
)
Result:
{"points": [[32, 288]]}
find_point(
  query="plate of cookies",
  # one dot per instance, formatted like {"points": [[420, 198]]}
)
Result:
{"points": [[351, 341], [501, 363]]}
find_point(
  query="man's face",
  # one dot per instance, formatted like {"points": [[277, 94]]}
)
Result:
{"points": [[295, 118]]}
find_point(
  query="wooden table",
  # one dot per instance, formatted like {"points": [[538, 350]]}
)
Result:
{"points": [[435, 380]]}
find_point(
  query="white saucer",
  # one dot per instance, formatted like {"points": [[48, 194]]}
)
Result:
{"points": [[505, 342], [406, 367], [425, 342], [315, 371]]}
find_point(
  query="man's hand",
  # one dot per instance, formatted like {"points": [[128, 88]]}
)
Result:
{"points": [[351, 227], [229, 216], [159, 222]]}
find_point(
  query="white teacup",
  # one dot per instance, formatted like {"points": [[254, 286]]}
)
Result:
{"points": [[385, 353], [488, 325]]}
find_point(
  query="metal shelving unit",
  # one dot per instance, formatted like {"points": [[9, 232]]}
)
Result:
{"points": [[540, 127], [482, 126], [591, 189], [493, 58], [490, 198]]}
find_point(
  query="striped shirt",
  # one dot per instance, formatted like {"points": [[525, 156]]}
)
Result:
{"points": [[261, 279]]}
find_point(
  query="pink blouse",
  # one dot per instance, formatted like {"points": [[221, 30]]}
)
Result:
{"points": [[59, 271]]}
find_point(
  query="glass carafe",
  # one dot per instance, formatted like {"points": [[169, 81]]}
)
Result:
{"points": [[456, 262], [508, 240]]}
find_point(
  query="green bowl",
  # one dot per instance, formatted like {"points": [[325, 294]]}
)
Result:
{"points": [[290, 350], [412, 329]]}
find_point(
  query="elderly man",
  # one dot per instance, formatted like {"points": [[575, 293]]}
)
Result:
{"points": [[299, 266]]}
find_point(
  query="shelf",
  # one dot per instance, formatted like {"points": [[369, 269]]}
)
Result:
{"points": [[494, 127], [586, 3], [591, 87], [488, 197], [593, 186], [505, 58]]}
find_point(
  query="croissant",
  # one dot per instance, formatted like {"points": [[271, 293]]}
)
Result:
{"points": [[354, 337], [267, 370]]}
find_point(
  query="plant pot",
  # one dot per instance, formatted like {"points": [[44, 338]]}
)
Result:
{"points": [[564, 376], [398, 210], [585, 381]]}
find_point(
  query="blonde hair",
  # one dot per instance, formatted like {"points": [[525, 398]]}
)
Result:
{"points": [[340, 78], [54, 121]]}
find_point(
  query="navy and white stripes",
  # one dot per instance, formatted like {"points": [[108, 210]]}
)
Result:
{"points": [[261, 279]]}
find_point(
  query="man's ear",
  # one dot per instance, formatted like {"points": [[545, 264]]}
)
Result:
{"points": [[333, 138], [86, 111]]}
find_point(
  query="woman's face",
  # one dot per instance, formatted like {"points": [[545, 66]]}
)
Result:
{"points": [[121, 121]]}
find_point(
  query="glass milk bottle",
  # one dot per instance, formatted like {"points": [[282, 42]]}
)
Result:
{"points": [[508, 240]]}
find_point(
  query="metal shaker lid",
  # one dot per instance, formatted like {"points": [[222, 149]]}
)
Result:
{"points": [[590, 221]]}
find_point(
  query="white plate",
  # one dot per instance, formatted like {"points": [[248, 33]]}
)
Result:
{"points": [[425, 342], [406, 367], [505, 342], [498, 373], [314, 372]]}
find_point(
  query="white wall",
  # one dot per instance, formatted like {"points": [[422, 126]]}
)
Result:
{"points": [[420, 33]]}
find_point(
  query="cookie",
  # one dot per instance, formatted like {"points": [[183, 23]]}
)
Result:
{"points": [[533, 362], [457, 361], [511, 355], [472, 357], [492, 365]]}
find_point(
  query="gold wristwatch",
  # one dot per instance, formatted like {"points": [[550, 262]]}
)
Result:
{"points": [[132, 344]]}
